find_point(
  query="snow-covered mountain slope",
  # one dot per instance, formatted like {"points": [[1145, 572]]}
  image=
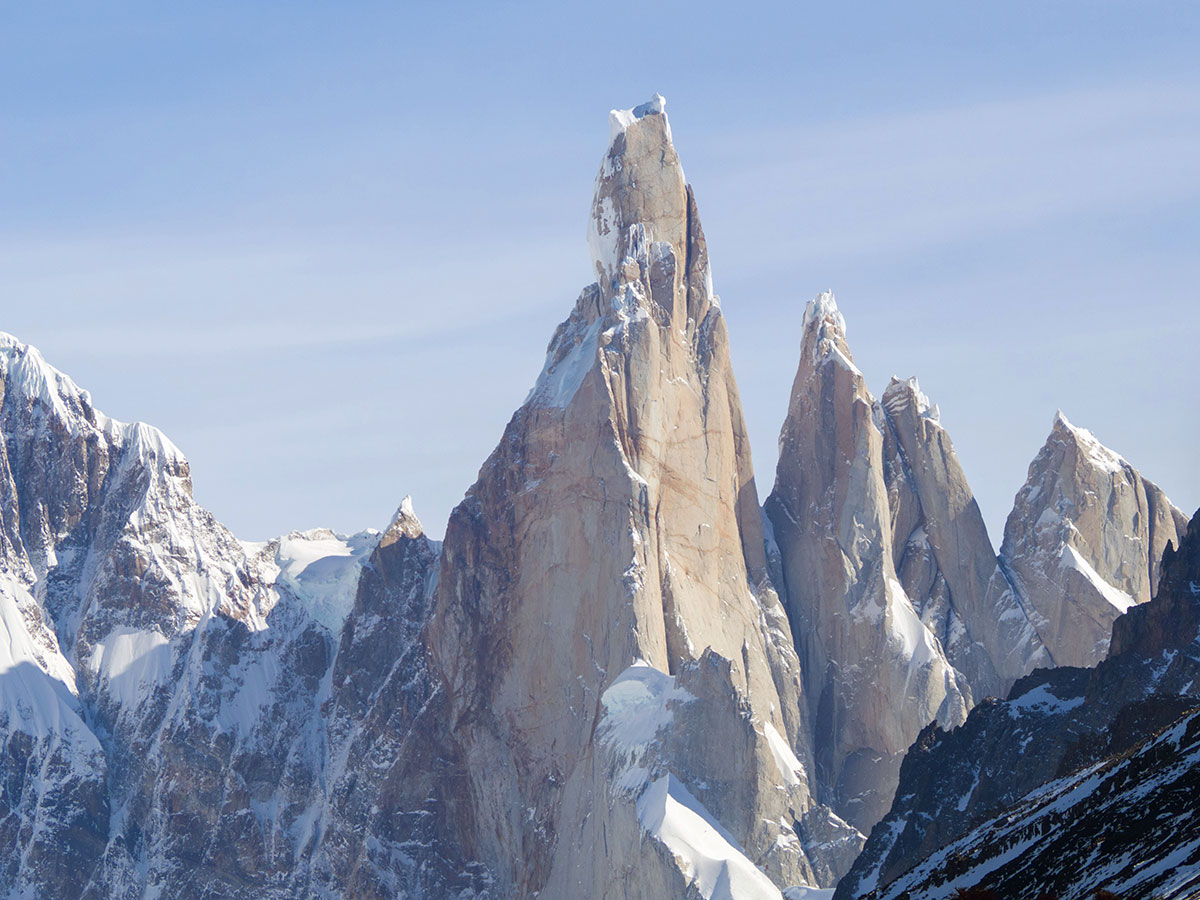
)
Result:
{"points": [[1084, 540], [1128, 824], [161, 684], [1054, 723]]}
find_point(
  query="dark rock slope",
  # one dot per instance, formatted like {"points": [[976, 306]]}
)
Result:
{"points": [[1090, 757]]}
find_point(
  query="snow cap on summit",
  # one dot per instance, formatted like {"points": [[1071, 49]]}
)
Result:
{"points": [[620, 119], [823, 307], [405, 522], [905, 390], [1100, 455]]}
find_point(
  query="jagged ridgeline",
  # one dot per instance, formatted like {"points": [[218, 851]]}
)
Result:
{"points": [[617, 677]]}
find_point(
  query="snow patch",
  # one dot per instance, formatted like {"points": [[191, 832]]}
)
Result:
{"points": [[603, 237], [561, 378], [915, 639], [637, 707], [322, 568], [1041, 701], [130, 663], [785, 760], [1070, 558], [37, 684], [706, 853]]}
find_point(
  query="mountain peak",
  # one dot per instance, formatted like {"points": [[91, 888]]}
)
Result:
{"points": [[621, 119], [903, 391], [824, 331], [641, 196], [404, 523], [824, 308], [1097, 453]]}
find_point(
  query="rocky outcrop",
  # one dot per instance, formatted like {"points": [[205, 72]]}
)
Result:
{"points": [[899, 610], [1054, 724], [391, 784], [1083, 542]]}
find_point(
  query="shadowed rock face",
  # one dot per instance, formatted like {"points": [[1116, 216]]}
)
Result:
{"points": [[1057, 723], [1084, 541]]}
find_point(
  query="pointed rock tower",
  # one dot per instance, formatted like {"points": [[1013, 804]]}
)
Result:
{"points": [[944, 557], [1084, 542], [614, 696], [875, 673], [900, 610]]}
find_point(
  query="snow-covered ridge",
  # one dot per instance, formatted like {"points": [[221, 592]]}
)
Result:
{"points": [[902, 391], [1099, 455], [707, 854], [23, 367], [25, 371]]}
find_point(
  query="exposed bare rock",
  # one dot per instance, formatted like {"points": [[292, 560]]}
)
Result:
{"points": [[617, 521], [1084, 540], [389, 777], [874, 672], [943, 554]]}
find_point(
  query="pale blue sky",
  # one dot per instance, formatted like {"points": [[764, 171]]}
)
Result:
{"points": [[323, 246]]}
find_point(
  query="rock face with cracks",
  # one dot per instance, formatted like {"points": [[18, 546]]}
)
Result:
{"points": [[618, 522], [852, 513]]}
